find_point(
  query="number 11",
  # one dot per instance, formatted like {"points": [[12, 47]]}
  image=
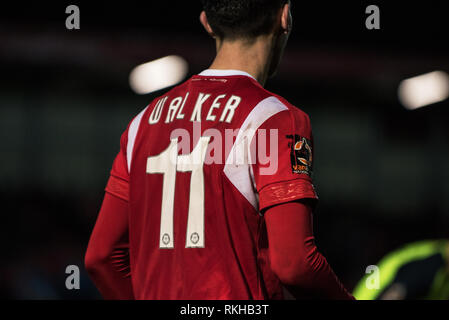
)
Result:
{"points": [[193, 162]]}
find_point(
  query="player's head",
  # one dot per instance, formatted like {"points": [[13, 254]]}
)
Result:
{"points": [[248, 20]]}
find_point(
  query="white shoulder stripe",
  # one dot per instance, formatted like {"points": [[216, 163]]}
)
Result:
{"points": [[132, 133], [242, 176]]}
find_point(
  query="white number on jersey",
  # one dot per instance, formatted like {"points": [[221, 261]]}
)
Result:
{"points": [[168, 163]]}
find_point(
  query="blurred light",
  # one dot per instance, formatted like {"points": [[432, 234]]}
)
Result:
{"points": [[158, 74], [423, 90]]}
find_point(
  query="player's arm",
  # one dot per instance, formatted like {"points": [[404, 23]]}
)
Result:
{"points": [[294, 256], [285, 198], [107, 256]]}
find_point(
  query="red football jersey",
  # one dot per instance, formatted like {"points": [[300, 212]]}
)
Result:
{"points": [[198, 166]]}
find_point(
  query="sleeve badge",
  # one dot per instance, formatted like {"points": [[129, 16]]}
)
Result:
{"points": [[300, 154]]}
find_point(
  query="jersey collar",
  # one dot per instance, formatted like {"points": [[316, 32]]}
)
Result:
{"points": [[224, 73]]}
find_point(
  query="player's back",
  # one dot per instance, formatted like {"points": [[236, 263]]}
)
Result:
{"points": [[195, 230]]}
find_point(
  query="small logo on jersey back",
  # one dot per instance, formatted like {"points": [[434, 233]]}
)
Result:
{"points": [[300, 154], [194, 237], [166, 239]]}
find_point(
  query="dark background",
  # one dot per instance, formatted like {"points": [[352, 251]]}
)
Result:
{"points": [[381, 171]]}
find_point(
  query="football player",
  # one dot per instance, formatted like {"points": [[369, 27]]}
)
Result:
{"points": [[211, 194]]}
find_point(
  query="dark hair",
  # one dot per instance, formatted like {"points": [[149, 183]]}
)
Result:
{"points": [[233, 19]]}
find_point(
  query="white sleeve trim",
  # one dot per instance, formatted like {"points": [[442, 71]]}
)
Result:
{"points": [[132, 133]]}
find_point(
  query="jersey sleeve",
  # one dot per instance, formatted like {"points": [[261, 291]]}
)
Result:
{"points": [[286, 172], [118, 183]]}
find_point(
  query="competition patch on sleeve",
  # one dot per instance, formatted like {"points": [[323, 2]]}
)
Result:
{"points": [[300, 154]]}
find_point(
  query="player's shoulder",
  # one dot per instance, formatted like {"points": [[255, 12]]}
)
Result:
{"points": [[154, 101], [290, 112]]}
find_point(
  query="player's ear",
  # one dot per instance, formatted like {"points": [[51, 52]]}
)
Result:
{"points": [[286, 18], [206, 25]]}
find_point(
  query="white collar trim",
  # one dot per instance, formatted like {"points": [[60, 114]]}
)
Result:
{"points": [[224, 73]]}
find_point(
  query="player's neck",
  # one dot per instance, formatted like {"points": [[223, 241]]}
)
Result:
{"points": [[253, 58]]}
